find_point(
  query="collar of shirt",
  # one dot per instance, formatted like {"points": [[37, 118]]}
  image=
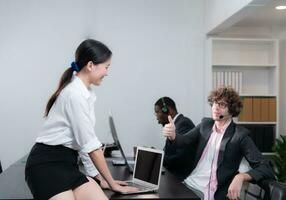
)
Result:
{"points": [[88, 93], [221, 130], [177, 115]]}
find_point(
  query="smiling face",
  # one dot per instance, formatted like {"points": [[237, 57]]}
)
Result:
{"points": [[220, 111], [99, 71]]}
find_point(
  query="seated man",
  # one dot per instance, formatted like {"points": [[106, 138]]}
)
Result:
{"points": [[176, 160], [221, 145]]}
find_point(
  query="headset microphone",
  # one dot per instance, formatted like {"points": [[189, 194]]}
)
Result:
{"points": [[221, 117]]}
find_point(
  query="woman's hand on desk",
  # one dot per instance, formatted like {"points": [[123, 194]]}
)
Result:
{"points": [[123, 189], [104, 184]]}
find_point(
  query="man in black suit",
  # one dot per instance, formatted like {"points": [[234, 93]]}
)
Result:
{"points": [[176, 160], [221, 145]]}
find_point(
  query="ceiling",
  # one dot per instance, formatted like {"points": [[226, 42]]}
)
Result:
{"points": [[265, 16]]}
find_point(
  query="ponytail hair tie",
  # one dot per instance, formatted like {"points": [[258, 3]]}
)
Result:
{"points": [[74, 67]]}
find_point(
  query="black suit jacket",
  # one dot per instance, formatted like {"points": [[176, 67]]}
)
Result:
{"points": [[235, 145], [179, 160]]}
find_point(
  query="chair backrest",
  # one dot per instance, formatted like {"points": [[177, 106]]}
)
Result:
{"points": [[278, 190], [267, 190], [253, 192]]}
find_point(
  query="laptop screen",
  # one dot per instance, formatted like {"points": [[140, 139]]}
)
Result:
{"points": [[148, 165]]}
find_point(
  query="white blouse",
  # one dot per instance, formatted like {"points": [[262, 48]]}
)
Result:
{"points": [[71, 119]]}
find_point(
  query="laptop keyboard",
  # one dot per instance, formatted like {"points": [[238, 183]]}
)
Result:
{"points": [[140, 187]]}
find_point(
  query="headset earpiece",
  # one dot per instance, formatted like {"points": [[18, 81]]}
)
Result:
{"points": [[165, 107]]}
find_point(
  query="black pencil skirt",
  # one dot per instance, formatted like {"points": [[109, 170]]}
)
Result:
{"points": [[51, 170]]}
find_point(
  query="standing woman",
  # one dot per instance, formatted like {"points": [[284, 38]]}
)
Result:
{"points": [[51, 170]]}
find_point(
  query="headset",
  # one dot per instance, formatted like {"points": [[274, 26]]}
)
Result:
{"points": [[165, 107]]}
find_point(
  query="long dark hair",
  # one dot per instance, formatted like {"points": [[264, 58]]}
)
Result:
{"points": [[88, 50]]}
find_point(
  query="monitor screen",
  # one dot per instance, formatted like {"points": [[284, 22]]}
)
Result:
{"points": [[115, 138]]}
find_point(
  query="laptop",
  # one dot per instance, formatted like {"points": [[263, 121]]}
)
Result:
{"points": [[147, 171], [130, 163]]}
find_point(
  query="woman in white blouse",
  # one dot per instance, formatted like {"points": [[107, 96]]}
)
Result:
{"points": [[51, 170]]}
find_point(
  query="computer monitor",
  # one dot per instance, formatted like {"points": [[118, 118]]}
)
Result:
{"points": [[116, 141]]}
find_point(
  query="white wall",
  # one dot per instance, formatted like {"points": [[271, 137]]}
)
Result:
{"points": [[158, 50], [218, 11]]}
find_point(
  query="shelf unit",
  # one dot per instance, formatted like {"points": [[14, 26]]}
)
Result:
{"points": [[251, 66]]}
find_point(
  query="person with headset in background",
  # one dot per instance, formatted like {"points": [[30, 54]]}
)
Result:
{"points": [[176, 160], [221, 145], [52, 166]]}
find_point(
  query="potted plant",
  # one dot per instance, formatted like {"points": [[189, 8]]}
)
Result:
{"points": [[279, 149]]}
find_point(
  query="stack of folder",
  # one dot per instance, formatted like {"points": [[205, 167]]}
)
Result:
{"points": [[258, 109]]}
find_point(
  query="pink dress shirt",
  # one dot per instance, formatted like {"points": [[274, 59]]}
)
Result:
{"points": [[217, 134]]}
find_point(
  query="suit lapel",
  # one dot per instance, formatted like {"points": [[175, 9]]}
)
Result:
{"points": [[226, 137]]}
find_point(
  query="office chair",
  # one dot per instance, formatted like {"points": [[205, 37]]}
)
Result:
{"points": [[278, 190], [267, 190]]}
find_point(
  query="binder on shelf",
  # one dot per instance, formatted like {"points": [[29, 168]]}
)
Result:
{"points": [[272, 109], [264, 109], [256, 109], [218, 79], [233, 80], [221, 79], [229, 79], [237, 81], [214, 80], [225, 78], [247, 110], [240, 82]]}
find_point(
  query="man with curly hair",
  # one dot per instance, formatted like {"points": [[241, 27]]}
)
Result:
{"points": [[221, 146]]}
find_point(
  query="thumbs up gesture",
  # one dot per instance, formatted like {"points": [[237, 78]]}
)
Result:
{"points": [[169, 130]]}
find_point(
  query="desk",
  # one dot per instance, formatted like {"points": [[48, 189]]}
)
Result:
{"points": [[13, 185]]}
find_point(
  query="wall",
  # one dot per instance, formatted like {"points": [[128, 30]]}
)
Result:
{"points": [[158, 50], [218, 11], [282, 128]]}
